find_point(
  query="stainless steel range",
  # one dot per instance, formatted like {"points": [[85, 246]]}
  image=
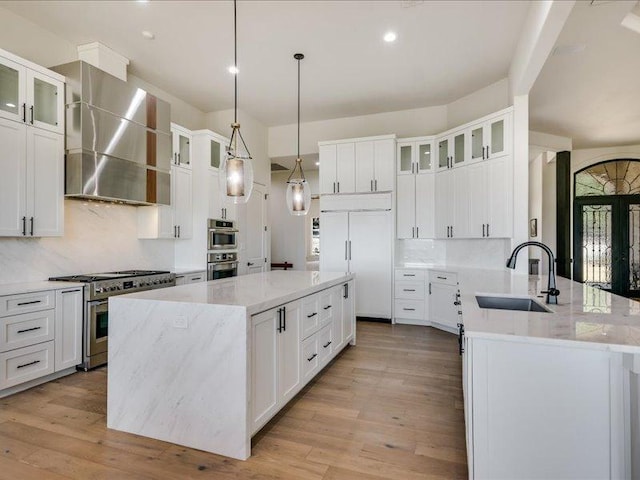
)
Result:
{"points": [[101, 286]]}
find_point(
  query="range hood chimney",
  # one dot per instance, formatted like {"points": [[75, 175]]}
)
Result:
{"points": [[104, 58], [118, 137]]}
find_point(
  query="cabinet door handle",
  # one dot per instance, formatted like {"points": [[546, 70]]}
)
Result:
{"points": [[375, 184], [451, 231], [413, 234], [338, 187], [178, 158], [279, 329], [371, 185], [487, 151], [409, 309], [408, 274], [31, 221], [327, 307], [349, 249], [326, 345], [24, 225], [28, 329], [334, 187], [483, 229], [487, 229], [178, 231], [417, 232], [483, 157], [24, 112], [31, 109], [71, 291], [311, 315], [195, 279], [429, 288], [409, 289], [312, 357], [346, 290], [30, 363], [284, 319], [33, 302], [441, 278], [345, 250]]}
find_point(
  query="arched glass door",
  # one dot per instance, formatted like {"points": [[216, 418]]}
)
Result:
{"points": [[606, 220]]}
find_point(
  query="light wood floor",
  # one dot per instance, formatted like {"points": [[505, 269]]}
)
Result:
{"points": [[389, 408]]}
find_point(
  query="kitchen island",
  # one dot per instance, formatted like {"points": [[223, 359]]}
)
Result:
{"points": [[207, 365], [550, 394]]}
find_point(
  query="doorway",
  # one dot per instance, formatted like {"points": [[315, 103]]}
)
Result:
{"points": [[606, 220]]}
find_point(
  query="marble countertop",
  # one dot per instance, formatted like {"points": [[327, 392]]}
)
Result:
{"points": [[256, 292], [583, 313], [28, 287]]}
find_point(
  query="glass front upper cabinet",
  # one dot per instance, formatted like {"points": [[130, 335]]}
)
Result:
{"points": [[458, 148], [477, 143], [405, 158], [424, 157], [45, 102], [12, 94], [496, 139], [443, 153]]}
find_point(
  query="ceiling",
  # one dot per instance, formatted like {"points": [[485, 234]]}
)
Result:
{"points": [[593, 95], [444, 50]]}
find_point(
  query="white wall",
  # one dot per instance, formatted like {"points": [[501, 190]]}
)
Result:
{"points": [[542, 204], [479, 103], [287, 231]]}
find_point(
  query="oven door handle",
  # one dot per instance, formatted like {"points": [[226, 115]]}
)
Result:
{"points": [[223, 230]]}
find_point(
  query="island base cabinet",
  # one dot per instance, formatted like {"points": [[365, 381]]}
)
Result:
{"points": [[539, 411], [275, 366]]}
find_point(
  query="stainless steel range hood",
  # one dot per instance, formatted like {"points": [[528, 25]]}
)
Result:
{"points": [[118, 139]]}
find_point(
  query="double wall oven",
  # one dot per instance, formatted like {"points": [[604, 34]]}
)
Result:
{"points": [[101, 286], [222, 255]]}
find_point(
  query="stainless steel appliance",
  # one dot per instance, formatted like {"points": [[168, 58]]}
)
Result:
{"points": [[222, 265], [222, 235], [101, 286], [118, 139]]}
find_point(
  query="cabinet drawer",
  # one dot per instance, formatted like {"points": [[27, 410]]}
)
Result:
{"points": [[310, 315], [326, 307], [309, 358], [446, 278], [405, 275], [27, 302], [195, 277], [410, 290], [325, 345], [412, 309], [24, 364], [27, 329]]}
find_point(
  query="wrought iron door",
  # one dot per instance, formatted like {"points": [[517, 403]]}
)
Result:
{"points": [[607, 243]]}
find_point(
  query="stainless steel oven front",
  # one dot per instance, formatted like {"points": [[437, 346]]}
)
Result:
{"points": [[96, 330], [222, 235], [222, 265]]}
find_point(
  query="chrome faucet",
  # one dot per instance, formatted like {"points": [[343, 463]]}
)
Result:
{"points": [[552, 292]]}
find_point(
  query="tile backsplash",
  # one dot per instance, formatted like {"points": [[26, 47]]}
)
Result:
{"points": [[480, 253], [97, 237]]}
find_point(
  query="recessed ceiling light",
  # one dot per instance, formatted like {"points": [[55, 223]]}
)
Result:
{"points": [[10, 105], [390, 37], [317, 164], [233, 69], [148, 35]]}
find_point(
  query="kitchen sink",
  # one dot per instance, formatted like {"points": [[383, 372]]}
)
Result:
{"points": [[524, 304]]}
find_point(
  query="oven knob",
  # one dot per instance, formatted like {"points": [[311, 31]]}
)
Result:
{"points": [[98, 290]]}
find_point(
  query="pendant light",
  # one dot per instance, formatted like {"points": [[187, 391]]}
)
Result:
{"points": [[298, 190], [236, 180]]}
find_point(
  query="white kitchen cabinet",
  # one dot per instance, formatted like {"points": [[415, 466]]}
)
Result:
{"points": [[337, 317], [460, 198], [543, 410], [219, 208], [337, 168], [68, 328], [31, 94], [374, 165], [443, 300], [360, 243], [491, 138], [176, 220], [276, 368], [326, 338], [415, 156], [452, 150], [415, 206], [491, 199], [181, 141], [444, 192], [195, 277], [348, 312], [32, 184]]}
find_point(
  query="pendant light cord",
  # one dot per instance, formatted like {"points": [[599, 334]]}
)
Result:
{"points": [[235, 61], [298, 108]]}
